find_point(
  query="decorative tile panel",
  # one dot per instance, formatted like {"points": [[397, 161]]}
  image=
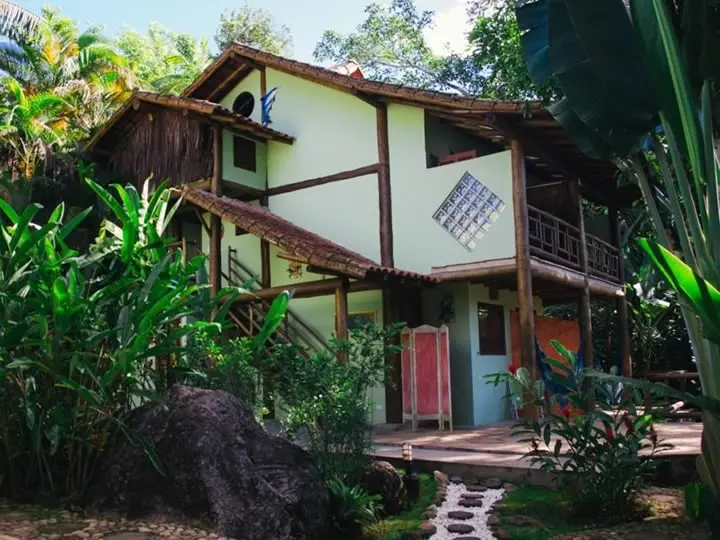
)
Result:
{"points": [[469, 211]]}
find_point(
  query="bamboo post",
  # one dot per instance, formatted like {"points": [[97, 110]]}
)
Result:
{"points": [[384, 194], [265, 276], [215, 254], [585, 300], [341, 315], [621, 301], [522, 263]]}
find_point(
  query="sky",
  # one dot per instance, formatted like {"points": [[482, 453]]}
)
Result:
{"points": [[306, 19]]}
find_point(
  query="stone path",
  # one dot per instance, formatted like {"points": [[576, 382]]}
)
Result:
{"points": [[34, 523], [465, 512]]}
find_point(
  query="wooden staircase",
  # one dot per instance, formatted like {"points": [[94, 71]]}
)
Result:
{"points": [[249, 316]]}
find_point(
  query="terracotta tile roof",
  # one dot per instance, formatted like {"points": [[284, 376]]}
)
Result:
{"points": [[124, 119], [219, 74], [302, 244], [497, 121]]}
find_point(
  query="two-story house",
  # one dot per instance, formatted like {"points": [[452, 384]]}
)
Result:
{"points": [[380, 202]]}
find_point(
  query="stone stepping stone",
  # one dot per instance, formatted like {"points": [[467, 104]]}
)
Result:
{"points": [[128, 536], [470, 503], [494, 483], [456, 480], [472, 496], [467, 538], [462, 515], [460, 528], [476, 488]]}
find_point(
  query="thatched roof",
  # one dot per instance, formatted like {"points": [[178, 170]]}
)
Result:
{"points": [[301, 244], [136, 108], [548, 146]]}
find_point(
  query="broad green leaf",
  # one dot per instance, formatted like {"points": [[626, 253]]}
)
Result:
{"points": [[273, 319], [73, 224], [672, 86], [702, 297], [109, 201], [9, 211]]}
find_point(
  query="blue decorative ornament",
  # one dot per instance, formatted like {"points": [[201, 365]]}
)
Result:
{"points": [[267, 102]]}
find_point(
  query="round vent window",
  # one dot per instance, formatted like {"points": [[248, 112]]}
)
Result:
{"points": [[244, 104]]}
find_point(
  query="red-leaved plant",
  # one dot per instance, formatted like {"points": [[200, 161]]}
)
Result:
{"points": [[597, 437]]}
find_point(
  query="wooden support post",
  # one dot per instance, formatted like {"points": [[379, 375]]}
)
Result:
{"points": [[522, 263], [216, 188], [585, 300], [384, 193], [341, 315], [263, 82], [265, 277], [621, 301], [393, 386]]}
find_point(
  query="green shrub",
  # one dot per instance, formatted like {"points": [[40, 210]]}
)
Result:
{"points": [[592, 434], [87, 337], [327, 400], [352, 508], [225, 365]]}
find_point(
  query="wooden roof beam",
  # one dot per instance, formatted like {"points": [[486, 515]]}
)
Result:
{"points": [[219, 88]]}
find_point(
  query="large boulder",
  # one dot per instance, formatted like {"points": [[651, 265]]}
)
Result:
{"points": [[381, 478], [220, 465]]}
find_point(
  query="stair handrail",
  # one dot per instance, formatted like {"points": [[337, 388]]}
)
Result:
{"points": [[291, 316]]}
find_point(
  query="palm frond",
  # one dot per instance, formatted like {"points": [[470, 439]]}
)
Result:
{"points": [[17, 23]]}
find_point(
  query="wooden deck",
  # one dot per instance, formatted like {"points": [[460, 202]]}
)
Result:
{"points": [[493, 451], [498, 439]]}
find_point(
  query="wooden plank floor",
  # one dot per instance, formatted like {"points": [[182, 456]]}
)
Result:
{"points": [[496, 440]]}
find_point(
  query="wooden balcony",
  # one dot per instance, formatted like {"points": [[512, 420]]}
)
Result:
{"points": [[558, 241]]}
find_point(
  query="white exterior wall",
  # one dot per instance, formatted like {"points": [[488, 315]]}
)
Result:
{"points": [[345, 212], [334, 131], [418, 191]]}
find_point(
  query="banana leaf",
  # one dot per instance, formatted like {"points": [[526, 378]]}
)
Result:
{"points": [[532, 16], [601, 73], [698, 293]]}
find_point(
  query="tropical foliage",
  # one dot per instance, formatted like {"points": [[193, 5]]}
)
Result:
{"points": [[352, 508], [642, 81], [86, 337], [254, 27], [326, 397], [162, 60], [592, 433]]}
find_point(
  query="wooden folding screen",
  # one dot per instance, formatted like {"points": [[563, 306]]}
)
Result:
{"points": [[426, 375]]}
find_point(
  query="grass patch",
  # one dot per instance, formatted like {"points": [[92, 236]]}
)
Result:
{"points": [[550, 508], [393, 527]]}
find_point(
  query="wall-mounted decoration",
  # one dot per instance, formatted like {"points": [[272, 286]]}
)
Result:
{"points": [[267, 101], [359, 320], [468, 211], [295, 270], [447, 309]]}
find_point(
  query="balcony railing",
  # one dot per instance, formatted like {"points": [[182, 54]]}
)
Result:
{"points": [[558, 241]]}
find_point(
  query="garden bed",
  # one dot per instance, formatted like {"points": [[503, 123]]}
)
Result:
{"points": [[533, 513], [397, 527]]}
